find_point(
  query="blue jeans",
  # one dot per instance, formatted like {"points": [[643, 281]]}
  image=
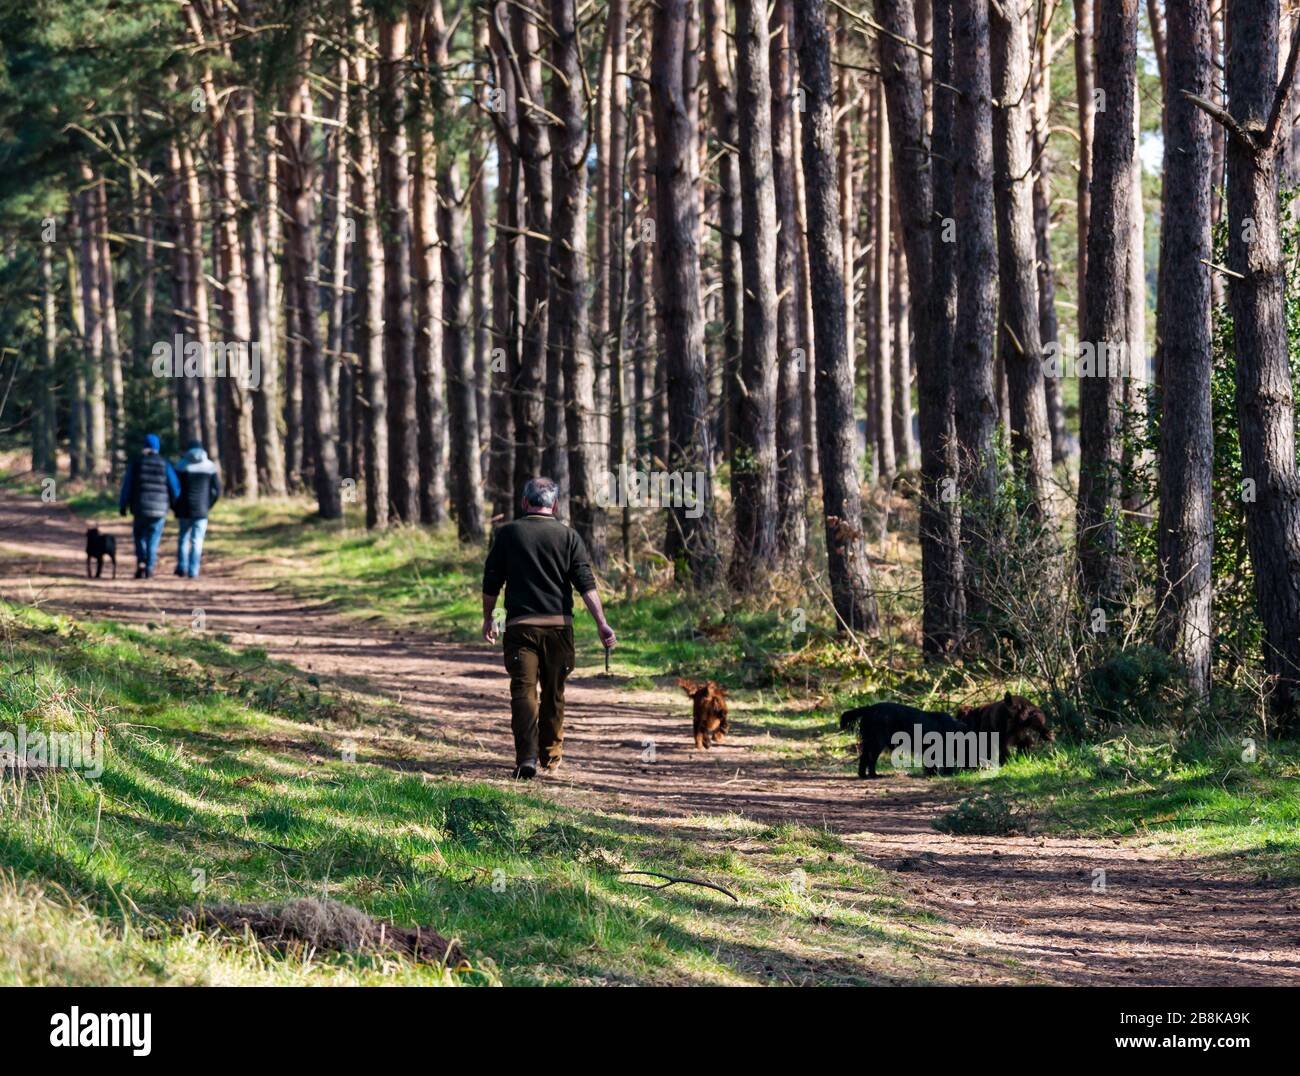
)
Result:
{"points": [[190, 548], [147, 533]]}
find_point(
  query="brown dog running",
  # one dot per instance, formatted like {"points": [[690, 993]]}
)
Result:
{"points": [[1016, 721], [710, 710]]}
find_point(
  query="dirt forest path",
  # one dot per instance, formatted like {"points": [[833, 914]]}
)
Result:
{"points": [[1160, 920]]}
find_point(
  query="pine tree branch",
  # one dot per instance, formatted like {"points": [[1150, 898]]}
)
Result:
{"points": [[1285, 88], [1224, 118]]}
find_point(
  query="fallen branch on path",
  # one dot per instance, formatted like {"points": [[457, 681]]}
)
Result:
{"points": [[670, 880]]}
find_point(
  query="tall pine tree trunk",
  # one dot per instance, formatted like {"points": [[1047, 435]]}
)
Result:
{"points": [[399, 331], [753, 454], [319, 412], [116, 390], [258, 197], [1047, 326], [722, 106], [371, 298], [335, 201], [78, 449], [925, 201], [1185, 530], [674, 75], [641, 303], [432, 315], [792, 351], [295, 439], [975, 397], [508, 243], [808, 380], [1265, 394], [1136, 376], [624, 381], [848, 116], [92, 331], [615, 210], [1219, 168], [532, 378], [45, 417], [266, 400], [273, 229], [570, 342], [882, 397], [900, 316], [432, 322], [199, 388], [1018, 331], [143, 262], [1085, 89], [480, 308], [1106, 325], [182, 322], [601, 284], [240, 450], [850, 573], [481, 272], [466, 483]]}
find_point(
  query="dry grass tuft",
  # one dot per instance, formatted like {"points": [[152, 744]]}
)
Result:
{"points": [[326, 925]]}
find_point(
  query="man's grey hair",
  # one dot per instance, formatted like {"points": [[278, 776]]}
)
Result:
{"points": [[541, 492]]}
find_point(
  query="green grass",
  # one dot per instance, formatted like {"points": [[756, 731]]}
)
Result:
{"points": [[414, 578], [86, 499], [1197, 797], [228, 778], [1205, 797], [417, 578]]}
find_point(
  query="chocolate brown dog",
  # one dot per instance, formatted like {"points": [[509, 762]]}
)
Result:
{"points": [[1016, 722], [710, 710]]}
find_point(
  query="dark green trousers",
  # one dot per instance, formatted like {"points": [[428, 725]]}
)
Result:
{"points": [[538, 660]]}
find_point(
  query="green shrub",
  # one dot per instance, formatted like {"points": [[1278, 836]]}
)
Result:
{"points": [[992, 815], [1136, 686], [471, 822]]}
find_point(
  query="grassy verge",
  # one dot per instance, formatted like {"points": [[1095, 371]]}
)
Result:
{"points": [[416, 578], [1226, 799], [1196, 794], [230, 779]]}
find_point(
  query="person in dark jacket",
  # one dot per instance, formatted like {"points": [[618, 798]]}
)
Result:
{"points": [[148, 489], [200, 490], [541, 562]]}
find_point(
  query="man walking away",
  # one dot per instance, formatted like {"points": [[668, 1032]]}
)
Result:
{"points": [[200, 490], [541, 562], [148, 489]]}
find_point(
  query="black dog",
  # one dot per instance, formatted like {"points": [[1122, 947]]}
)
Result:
{"points": [[879, 723], [99, 546]]}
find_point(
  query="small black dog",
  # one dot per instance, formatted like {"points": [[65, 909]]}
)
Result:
{"points": [[879, 723], [99, 546]]}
